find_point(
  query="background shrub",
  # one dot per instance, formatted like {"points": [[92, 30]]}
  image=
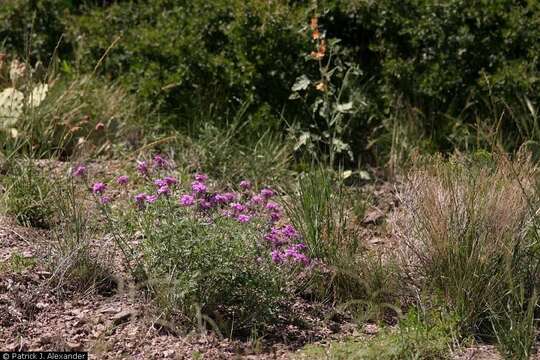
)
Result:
{"points": [[190, 57], [463, 73]]}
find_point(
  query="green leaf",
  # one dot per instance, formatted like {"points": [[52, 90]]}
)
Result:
{"points": [[301, 83], [345, 108]]}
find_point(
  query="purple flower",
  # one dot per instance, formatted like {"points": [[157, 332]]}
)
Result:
{"points": [[290, 232], [151, 198], [275, 216], [220, 198], [272, 206], [243, 218], [170, 180], [79, 171], [274, 238], [140, 198], [245, 184], [294, 253], [238, 207], [201, 177], [257, 199], [160, 162], [160, 183], [205, 205], [164, 190], [142, 168], [277, 256], [122, 180], [187, 200], [99, 188], [227, 213], [277, 236], [198, 187], [267, 193], [104, 200], [230, 196]]}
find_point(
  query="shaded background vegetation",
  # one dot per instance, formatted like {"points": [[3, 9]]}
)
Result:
{"points": [[439, 75]]}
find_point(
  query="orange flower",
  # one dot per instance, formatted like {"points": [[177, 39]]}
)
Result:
{"points": [[314, 23], [316, 55], [321, 51], [321, 86], [315, 34], [322, 47]]}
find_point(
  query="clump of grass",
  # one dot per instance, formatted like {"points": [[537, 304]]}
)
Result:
{"points": [[318, 210], [231, 154], [29, 194], [470, 236], [45, 115], [78, 117], [74, 261]]}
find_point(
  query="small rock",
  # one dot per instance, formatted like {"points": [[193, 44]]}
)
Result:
{"points": [[123, 316], [74, 346], [373, 216], [168, 353]]}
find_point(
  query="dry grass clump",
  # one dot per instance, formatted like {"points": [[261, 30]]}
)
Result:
{"points": [[469, 236]]}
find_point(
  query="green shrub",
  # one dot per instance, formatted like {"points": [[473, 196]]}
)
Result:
{"points": [[34, 28], [223, 259], [215, 270], [442, 59], [190, 57]]}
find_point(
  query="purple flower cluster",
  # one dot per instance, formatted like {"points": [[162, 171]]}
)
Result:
{"points": [[99, 188], [79, 171], [142, 198], [158, 162], [281, 239], [292, 253], [122, 180]]}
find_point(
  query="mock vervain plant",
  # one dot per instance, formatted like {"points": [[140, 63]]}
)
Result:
{"points": [[226, 255]]}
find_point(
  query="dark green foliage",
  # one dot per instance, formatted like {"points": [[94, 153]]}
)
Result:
{"points": [[451, 61], [190, 57], [34, 27], [210, 272], [442, 74]]}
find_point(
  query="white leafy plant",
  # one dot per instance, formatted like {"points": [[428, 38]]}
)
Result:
{"points": [[13, 101]]}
